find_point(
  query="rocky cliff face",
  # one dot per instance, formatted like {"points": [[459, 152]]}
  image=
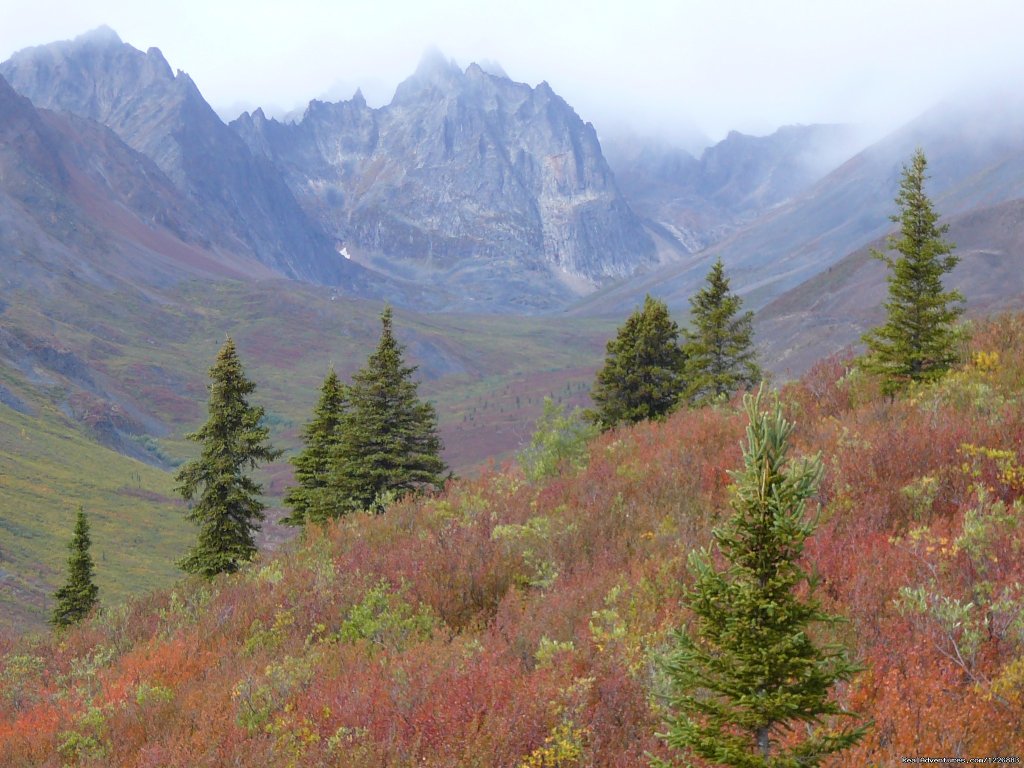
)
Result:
{"points": [[163, 116], [463, 172]]}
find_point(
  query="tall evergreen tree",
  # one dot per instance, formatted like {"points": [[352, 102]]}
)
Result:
{"points": [[312, 499], [227, 509], [720, 354], [641, 376], [388, 437], [79, 595], [750, 671], [918, 340]]}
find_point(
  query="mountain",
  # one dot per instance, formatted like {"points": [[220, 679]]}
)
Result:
{"points": [[697, 202], [163, 116], [467, 178], [113, 303], [137, 230], [975, 150], [88, 228]]}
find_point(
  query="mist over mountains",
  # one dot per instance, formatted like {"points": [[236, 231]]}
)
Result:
{"points": [[974, 150], [493, 192], [163, 116], [701, 199], [466, 192]]}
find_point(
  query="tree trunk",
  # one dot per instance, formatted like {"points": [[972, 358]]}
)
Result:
{"points": [[762, 741]]}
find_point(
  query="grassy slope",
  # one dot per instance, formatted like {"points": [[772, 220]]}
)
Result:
{"points": [[48, 469]]}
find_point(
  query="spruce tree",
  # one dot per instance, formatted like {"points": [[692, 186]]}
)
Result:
{"points": [[227, 506], [641, 376], [388, 442], [918, 340], [312, 499], [79, 595], [750, 672], [720, 355]]}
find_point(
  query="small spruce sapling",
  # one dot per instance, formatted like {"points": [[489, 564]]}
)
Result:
{"points": [[749, 685], [79, 595]]}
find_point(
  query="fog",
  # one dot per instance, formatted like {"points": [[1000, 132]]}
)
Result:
{"points": [[687, 72]]}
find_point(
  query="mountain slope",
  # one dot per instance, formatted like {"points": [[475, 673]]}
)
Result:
{"points": [[509, 622], [975, 150], [163, 116], [113, 306], [73, 193], [48, 469], [125, 366], [831, 310], [698, 202]]}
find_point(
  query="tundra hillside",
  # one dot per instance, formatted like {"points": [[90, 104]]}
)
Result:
{"points": [[514, 623]]}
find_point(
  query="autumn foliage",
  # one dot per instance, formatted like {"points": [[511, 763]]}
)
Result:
{"points": [[513, 623]]}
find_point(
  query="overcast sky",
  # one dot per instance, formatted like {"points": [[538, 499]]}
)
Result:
{"points": [[656, 66]]}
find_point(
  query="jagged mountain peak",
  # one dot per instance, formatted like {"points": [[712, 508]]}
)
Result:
{"points": [[492, 68], [434, 73], [96, 75], [438, 73], [434, 63], [475, 72], [468, 180], [100, 47], [102, 36], [465, 175]]}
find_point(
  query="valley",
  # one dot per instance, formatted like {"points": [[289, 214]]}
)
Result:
{"points": [[137, 382], [139, 229]]}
